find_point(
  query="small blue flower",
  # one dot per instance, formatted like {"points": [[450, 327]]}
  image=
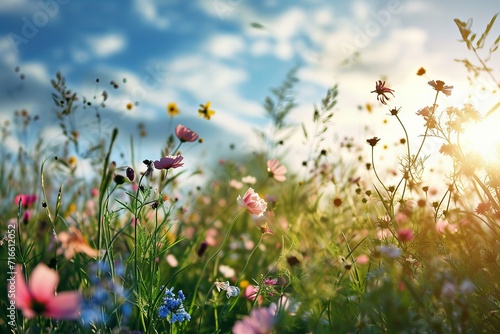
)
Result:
{"points": [[173, 308], [105, 295], [232, 291]]}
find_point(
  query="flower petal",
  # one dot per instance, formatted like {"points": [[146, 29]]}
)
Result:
{"points": [[66, 305], [43, 283], [22, 296]]}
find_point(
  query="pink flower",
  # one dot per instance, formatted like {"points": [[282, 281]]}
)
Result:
{"points": [[94, 192], [442, 226], [26, 200], [251, 292], [253, 203], [362, 259], [185, 134], [260, 321], [235, 184], [276, 170], [381, 90], [169, 161], [405, 234], [26, 217], [39, 298]]}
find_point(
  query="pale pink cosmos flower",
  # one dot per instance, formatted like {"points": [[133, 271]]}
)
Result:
{"points": [[249, 179], [169, 161], [276, 170], [235, 184], [362, 259], [185, 134], [253, 203], [260, 321], [40, 298], [443, 226]]}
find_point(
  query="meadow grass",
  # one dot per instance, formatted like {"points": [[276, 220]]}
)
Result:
{"points": [[336, 246]]}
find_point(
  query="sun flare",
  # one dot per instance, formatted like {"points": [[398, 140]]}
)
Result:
{"points": [[483, 138]]}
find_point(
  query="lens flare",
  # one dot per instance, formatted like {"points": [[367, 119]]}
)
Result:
{"points": [[483, 138]]}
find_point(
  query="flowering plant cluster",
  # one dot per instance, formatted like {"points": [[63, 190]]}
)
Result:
{"points": [[172, 308], [345, 240]]}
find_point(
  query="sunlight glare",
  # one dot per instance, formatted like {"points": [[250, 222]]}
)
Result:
{"points": [[483, 138]]}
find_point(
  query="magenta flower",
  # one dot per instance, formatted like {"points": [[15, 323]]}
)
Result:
{"points": [[185, 134], [170, 161], [405, 234], [260, 321], [276, 170], [39, 298], [381, 90], [26, 200], [253, 203]]}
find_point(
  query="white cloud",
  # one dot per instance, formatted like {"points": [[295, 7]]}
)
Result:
{"points": [[211, 80], [8, 55], [15, 6], [106, 45], [260, 47], [38, 71], [361, 10], [225, 46], [149, 12]]}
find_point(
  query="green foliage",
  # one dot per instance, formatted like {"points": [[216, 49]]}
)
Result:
{"points": [[277, 108]]}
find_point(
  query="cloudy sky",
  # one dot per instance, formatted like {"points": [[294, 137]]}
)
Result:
{"points": [[231, 52]]}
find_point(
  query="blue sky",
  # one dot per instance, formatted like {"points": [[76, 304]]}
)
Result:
{"points": [[191, 52]]}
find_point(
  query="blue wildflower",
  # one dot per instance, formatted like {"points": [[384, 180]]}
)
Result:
{"points": [[105, 295], [232, 291], [173, 308]]}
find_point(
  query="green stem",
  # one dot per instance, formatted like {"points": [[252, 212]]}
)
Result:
{"points": [[376, 174], [211, 258], [243, 270], [434, 105]]}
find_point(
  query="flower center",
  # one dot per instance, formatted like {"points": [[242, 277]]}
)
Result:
{"points": [[38, 307]]}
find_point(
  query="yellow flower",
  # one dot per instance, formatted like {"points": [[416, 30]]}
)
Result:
{"points": [[71, 209], [205, 111], [72, 160], [369, 107], [172, 109], [244, 283]]}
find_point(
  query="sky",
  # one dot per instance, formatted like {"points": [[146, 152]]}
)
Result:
{"points": [[231, 53]]}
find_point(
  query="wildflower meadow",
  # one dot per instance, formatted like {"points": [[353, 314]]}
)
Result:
{"points": [[335, 240]]}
